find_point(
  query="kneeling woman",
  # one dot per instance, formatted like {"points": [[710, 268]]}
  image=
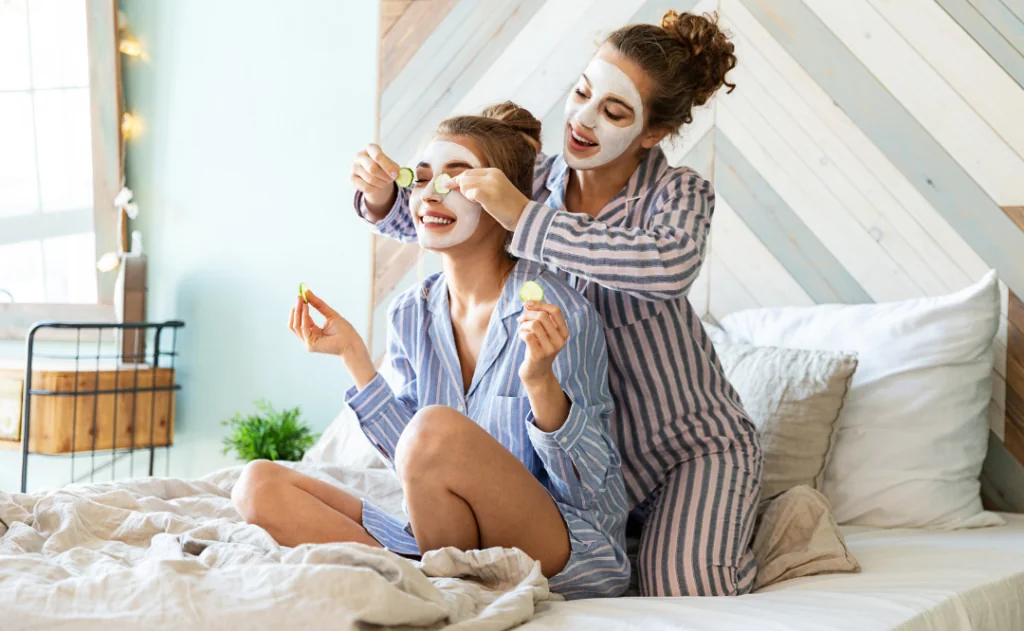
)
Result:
{"points": [[499, 432]]}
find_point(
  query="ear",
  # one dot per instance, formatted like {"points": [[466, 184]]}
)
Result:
{"points": [[652, 137]]}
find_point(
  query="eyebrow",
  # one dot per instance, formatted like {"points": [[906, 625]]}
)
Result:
{"points": [[450, 165], [614, 99]]}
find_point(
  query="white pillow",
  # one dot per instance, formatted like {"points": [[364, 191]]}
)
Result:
{"points": [[343, 443], [912, 433]]}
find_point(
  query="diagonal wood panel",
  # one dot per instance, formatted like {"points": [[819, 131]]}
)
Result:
{"points": [[408, 32], [1014, 428], [446, 67], [863, 193], [1009, 24], [390, 11], [785, 234], [987, 36], [960, 199], [1016, 215], [926, 96], [976, 77]]}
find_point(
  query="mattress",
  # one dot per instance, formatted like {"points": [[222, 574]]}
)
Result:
{"points": [[911, 579]]}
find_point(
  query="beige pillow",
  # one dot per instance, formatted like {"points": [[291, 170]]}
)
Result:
{"points": [[794, 397], [798, 536]]}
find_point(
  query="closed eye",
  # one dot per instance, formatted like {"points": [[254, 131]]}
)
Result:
{"points": [[580, 93]]}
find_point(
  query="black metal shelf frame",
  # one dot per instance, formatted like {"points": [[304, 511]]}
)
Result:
{"points": [[159, 358]]}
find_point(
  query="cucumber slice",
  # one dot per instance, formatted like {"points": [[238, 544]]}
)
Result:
{"points": [[531, 291], [405, 177], [441, 183], [302, 292]]}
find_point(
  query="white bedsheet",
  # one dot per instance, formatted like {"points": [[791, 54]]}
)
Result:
{"points": [[911, 580]]}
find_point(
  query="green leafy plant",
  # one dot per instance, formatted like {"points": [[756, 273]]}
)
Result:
{"points": [[268, 434]]}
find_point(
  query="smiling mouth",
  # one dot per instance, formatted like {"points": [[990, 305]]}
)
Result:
{"points": [[436, 221], [578, 142]]}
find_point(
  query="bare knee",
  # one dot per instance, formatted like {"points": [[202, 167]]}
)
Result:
{"points": [[252, 494], [428, 441]]}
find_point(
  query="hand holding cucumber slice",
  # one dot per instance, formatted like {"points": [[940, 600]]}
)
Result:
{"points": [[405, 177], [441, 184], [302, 292], [531, 291]]}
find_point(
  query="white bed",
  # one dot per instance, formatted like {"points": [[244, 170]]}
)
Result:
{"points": [[911, 579]]}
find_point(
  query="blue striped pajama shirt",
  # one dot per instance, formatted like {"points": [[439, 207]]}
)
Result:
{"points": [[423, 354], [691, 458]]}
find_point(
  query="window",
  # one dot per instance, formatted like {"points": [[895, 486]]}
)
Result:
{"points": [[58, 120]]}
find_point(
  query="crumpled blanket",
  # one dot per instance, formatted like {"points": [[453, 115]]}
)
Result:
{"points": [[172, 554]]}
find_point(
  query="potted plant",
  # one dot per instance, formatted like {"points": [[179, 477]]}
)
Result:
{"points": [[268, 434]]}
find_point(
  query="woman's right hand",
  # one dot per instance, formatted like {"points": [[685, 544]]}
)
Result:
{"points": [[336, 337], [374, 174]]}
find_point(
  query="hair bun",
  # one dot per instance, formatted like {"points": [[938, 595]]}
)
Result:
{"points": [[518, 118], [669, 20], [708, 48]]}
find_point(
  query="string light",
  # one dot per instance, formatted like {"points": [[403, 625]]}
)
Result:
{"points": [[130, 46], [131, 126]]}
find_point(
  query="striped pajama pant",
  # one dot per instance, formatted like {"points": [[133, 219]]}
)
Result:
{"points": [[698, 527]]}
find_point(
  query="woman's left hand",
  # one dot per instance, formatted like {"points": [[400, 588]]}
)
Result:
{"points": [[545, 333], [492, 189]]}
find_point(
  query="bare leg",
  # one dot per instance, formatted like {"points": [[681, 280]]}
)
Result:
{"points": [[295, 508], [465, 489]]}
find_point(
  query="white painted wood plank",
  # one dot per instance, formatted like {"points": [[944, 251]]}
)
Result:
{"points": [[727, 294], [865, 260], [700, 289], [965, 65], [751, 263], [828, 184], [776, 59], [690, 135], [530, 49], [862, 191], [576, 44], [948, 118]]}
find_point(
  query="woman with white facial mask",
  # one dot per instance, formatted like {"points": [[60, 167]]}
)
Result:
{"points": [[629, 231], [499, 431]]}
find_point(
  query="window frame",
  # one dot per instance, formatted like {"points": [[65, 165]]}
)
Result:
{"points": [[109, 227]]}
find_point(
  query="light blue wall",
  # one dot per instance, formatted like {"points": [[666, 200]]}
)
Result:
{"points": [[251, 112]]}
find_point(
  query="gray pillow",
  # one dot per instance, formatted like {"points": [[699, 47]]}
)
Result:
{"points": [[794, 398]]}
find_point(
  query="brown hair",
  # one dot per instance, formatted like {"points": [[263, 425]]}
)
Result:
{"points": [[687, 56], [509, 137]]}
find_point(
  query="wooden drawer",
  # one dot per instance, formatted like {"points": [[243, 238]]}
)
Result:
{"points": [[63, 419]]}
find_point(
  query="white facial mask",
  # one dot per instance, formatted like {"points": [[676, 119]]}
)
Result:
{"points": [[467, 214], [605, 79]]}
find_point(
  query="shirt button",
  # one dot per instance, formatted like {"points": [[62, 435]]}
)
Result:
{"points": [[564, 440]]}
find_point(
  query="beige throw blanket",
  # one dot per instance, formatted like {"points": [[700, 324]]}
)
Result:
{"points": [[170, 554]]}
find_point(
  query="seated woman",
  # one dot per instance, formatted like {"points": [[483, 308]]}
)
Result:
{"points": [[499, 432]]}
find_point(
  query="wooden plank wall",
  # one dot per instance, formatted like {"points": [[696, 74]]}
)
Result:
{"points": [[873, 150]]}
